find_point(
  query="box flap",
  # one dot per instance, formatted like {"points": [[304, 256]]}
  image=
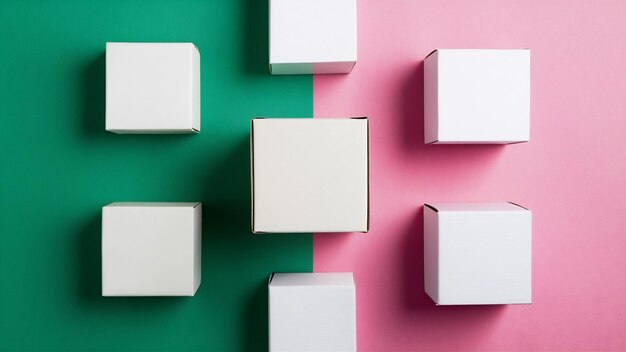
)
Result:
{"points": [[432, 52], [474, 206], [312, 279]]}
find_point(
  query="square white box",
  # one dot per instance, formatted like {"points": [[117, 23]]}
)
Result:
{"points": [[151, 249], [312, 312], [477, 253], [477, 96], [310, 175], [312, 36], [152, 88]]}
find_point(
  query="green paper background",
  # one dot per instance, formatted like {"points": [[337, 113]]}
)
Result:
{"points": [[59, 167]]}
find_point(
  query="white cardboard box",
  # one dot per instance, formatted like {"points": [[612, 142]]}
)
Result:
{"points": [[310, 175], [151, 249], [477, 96], [152, 88], [312, 312], [312, 36], [477, 253]]}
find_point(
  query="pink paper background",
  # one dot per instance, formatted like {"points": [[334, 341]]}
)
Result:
{"points": [[572, 174]]}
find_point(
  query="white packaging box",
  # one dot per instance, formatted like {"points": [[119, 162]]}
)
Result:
{"points": [[312, 36], [312, 312], [151, 249], [152, 88], [477, 96], [477, 253], [310, 175]]}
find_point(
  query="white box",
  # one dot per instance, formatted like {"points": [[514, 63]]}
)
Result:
{"points": [[477, 96], [312, 312], [312, 36], [151, 249], [310, 175], [477, 253], [152, 88]]}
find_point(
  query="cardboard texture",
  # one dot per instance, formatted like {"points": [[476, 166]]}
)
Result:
{"points": [[312, 312], [477, 96], [477, 253], [310, 175], [152, 88], [312, 36], [151, 249]]}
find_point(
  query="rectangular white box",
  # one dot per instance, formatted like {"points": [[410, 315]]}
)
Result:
{"points": [[312, 312], [477, 96], [477, 253], [152, 88], [312, 36], [310, 175], [151, 249]]}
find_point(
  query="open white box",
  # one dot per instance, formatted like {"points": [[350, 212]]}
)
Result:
{"points": [[477, 253], [312, 36], [312, 312], [152, 88], [477, 96], [151, 249], [310, 175]]}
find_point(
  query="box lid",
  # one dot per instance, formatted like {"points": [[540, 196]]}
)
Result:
{"points": [[312, 279], [155, 204], [475, 206]]}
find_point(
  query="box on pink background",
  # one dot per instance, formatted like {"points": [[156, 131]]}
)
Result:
{"points": [[477, 96], [477, 253]]}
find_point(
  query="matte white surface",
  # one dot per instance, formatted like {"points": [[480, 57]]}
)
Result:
{"points": [[152, 88], [310, 175], [477, 96], [151, 249], [312, 312], [476, 206], [312, 36], [477, 253]]}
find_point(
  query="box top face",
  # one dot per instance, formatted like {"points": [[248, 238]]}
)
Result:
{"points": [[310, 175], [287, 122], [311, 31], [150, 250], [148, 46], [152, 87], [477, 207], [154, 204], [480, 51], [483, 95], [312, 279]]}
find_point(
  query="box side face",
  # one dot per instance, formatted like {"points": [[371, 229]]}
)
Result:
{"points": [[312, 31], [197, 247], [431, 253], [312, 319], [484, 96], [149, 87], [431, 101], [485, 257], [146, 251], [196, 109], [252, 188], [310, 175]]}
